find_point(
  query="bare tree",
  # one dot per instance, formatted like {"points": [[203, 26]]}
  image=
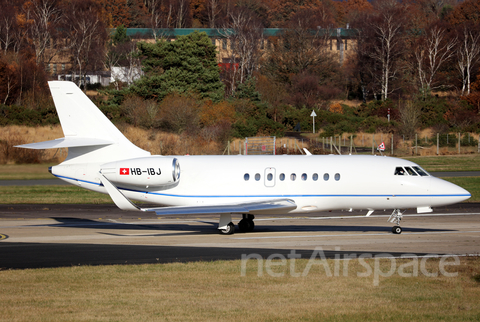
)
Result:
{"points": [[432, 51], [382, 40], [44, 17], [245, 36], [468, 55], [8, 27], [409, 117], [87, 36], [302, 47], [182, 12], [213, 11], [161, 12]]}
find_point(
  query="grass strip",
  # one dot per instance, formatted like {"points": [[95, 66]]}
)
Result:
{"points": [[471, 184], [25, 171], [50, 194], [470, 162], [214, 291]]}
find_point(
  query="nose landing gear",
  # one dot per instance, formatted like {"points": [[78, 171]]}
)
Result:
{"points": [[395, 217]]}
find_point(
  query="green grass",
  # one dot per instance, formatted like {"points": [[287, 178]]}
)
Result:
{"points": [[471, 184], [25, 171], [470, 162], [50, 194], [214, 291]]}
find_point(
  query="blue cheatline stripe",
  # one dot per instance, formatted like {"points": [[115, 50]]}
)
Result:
{"points": [[91, 182], [266, 196]]}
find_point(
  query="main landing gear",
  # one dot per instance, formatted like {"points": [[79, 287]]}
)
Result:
{"points": [[395, 217], [246, 224], [226, 226]]}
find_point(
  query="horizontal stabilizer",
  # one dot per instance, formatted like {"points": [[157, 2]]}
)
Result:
{"points": [[67, 142]]}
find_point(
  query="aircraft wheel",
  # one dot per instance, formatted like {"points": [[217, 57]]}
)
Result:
{"points": [[246, 225], [230, 230], [397, 230], [243, 225], [251, 225]]}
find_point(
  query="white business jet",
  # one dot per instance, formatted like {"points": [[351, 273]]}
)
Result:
{"points": [[101, 159]]}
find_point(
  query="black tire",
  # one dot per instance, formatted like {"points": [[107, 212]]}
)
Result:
{"points": [[397, 230], [230, 230], [243, 225], [250, 225]]}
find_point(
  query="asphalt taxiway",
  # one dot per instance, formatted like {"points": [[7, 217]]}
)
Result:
{"points": [[33, 236]]}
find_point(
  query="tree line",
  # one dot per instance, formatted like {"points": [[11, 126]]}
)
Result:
{"points": [[405, 52]]}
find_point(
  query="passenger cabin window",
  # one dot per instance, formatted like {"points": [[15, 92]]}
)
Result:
{"points": [[315, 177], [257, 176], [326, 176], [420, 171], [246, 177], [293, 176], [282, 176], [304, 176], [410, 171], [337, 176]]}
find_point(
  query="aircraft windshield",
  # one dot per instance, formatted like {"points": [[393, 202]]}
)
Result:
{"points": [[421, 172], [410, 171], [399, 171]]}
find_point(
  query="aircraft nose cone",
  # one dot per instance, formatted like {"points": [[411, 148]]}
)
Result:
{"points": [[447, 193]]}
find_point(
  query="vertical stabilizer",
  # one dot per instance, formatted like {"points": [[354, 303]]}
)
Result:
{"points": [[81, 119], [79, 116]]}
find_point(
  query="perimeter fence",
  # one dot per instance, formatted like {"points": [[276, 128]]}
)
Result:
{"points": [[363, 143]]}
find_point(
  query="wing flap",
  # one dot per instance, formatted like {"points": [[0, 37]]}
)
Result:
{"points": [[263, 207]]}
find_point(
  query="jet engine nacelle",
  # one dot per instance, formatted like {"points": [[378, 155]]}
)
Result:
{"points": [[146, 172]]}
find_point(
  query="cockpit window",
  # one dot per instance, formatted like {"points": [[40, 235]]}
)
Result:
{"points": [[421, 172], [410, 171], [399, 171]]}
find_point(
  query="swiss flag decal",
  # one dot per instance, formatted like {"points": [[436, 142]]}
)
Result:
{"points": [[124, 171]]}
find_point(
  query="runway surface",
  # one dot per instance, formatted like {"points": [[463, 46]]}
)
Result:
{"points": [[33, 236]]}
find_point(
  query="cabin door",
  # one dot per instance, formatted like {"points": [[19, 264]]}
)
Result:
{"points": [[269, 177]]}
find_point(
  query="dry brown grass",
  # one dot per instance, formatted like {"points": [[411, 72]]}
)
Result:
{"points": [[170, 144], [213, 291], [18, 134], [25, 171], [158, 142], [151, 140]]}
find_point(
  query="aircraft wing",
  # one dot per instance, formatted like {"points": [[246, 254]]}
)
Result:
{"points": [[257, 208], [269, 206]]}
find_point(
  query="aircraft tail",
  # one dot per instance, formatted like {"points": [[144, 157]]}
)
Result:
{"points": [[89, 134]]}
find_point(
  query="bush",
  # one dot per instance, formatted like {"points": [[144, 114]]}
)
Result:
{"points": [[9, 153], [445, 140], [468, 140], [18, 115]]}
